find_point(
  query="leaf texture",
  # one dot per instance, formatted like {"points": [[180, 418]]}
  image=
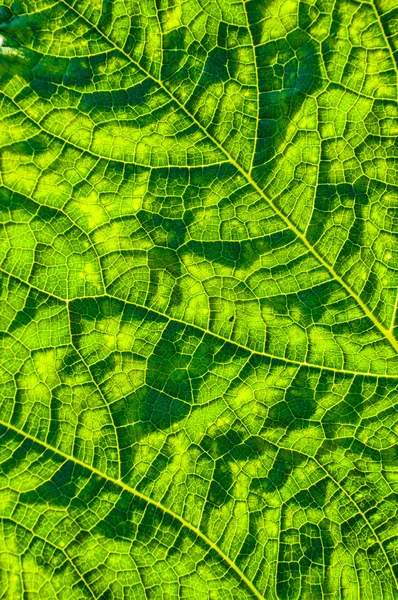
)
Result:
{"points": [[198, 260]]}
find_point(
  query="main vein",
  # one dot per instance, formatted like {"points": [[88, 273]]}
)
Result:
{"points": [[384, 330]]}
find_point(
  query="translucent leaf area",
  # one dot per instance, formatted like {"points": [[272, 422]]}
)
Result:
{"points": [[198, 299]]}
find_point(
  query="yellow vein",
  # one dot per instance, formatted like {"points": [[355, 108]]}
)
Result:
{"points": [[144, 498]]}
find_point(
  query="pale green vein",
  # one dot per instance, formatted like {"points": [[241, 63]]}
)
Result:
{"points": [[394, 314], [61, 550], [106, 404], [350, 499], [257, 84], [65, 141], [210, 333], [387, 43]]}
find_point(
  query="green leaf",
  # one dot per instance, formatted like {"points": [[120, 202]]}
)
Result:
{"points": [[198, 368]]}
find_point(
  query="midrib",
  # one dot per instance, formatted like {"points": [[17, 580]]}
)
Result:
{"points": [[384, 330]]}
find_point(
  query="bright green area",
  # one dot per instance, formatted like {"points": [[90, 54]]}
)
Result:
{"points": [[198, 299]]}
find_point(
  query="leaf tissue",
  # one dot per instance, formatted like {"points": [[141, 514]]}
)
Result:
{"points": [[198, 299]]}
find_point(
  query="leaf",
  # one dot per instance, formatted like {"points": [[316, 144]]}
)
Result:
{"points": [[198, 372]]}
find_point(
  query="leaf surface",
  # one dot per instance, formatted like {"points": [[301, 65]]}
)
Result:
{"points": [[198, 368]]}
